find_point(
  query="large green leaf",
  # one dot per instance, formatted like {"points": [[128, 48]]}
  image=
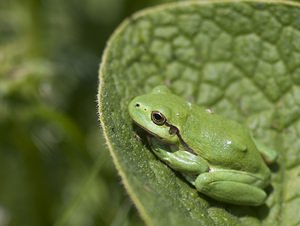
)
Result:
{"points": [[242, 59]]}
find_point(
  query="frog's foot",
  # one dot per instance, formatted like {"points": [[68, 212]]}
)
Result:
{"points": [[160, 149], [232, 187], [179, 160], [268, 154]]}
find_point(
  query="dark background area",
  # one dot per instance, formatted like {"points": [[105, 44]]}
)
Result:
{"points": [[55, 168]]}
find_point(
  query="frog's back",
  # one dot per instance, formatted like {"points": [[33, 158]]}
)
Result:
{"points": [[222, 142]]}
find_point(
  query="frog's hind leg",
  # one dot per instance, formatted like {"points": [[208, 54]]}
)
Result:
{"points": [[232, 187], [268, 154]]}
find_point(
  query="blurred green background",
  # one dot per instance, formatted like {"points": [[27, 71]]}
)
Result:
{"points": [[55, 167]]}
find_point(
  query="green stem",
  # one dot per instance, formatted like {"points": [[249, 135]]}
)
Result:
{"points": [[35, 29]]}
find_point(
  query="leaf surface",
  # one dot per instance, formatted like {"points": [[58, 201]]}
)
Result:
{"points": [[242, 59]]}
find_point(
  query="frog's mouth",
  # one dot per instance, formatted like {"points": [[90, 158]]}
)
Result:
{"points": [[149, 131]]}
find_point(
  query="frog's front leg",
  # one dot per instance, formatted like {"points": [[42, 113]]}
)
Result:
{"points": [[180, 160], [232, 186]]}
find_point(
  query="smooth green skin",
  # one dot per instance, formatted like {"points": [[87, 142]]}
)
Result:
{"points": [[217, 155]]}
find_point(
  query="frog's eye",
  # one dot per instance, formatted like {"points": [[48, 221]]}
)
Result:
{"points": [[158, 118]]}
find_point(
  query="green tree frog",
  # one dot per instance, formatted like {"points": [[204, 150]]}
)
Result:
{"points": [[218, 156]]}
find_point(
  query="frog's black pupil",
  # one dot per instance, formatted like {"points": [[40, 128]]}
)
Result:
{"points": [[157, 117]]}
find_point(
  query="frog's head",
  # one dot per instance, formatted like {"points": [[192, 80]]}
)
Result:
{"points": [[160, 112]]}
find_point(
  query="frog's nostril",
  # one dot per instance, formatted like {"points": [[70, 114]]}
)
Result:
{"points": [[137, 105]]}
